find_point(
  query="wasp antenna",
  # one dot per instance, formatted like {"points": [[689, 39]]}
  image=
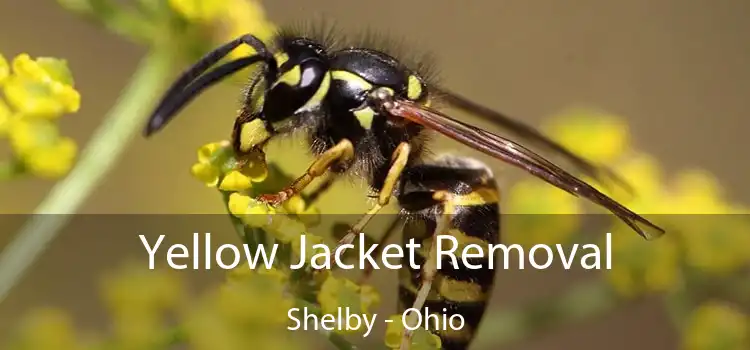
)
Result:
{"points": [[649, 232], [169, 107], [186, 87]]}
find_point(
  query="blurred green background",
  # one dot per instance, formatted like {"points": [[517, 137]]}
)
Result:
{"points": [[675, 70]]}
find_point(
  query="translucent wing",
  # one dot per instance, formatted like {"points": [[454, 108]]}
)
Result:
{"points": [[529, 134], [519, 156]]}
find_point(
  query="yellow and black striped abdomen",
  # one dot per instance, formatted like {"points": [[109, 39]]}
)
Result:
{"points": [[456, 288]]}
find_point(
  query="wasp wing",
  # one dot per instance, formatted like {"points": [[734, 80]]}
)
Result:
{"points": [[519, 156], [529, 133]]}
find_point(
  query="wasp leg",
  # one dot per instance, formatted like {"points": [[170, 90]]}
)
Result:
{"points": [[400, 157], [387, 235], [342, 152], [429, 270], [330, 179]]}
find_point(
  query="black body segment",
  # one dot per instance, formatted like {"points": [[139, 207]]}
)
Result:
{"points": [[476, 219]]}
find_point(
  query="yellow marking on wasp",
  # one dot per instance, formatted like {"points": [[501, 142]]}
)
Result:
{"points": [[322, 90], [258, 97], [406, 282], [365, 117], [253, 134], [352, 78], [462, 239], [459, 291], [291, 77], [389, 90], [281, 58], [320, 94], [413, 88], [477, 197]]}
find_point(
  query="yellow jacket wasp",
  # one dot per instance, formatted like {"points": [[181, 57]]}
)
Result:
{"points": [[367, 113]]}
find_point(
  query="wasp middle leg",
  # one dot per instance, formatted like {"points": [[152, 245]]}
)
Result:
{"points": [[398, 164]]}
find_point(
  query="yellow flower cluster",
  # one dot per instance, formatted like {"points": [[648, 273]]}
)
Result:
{"points": [[712, 243], [540, 214], [250, 309], [422, 339], [36, 93], [714, 326], [138, 300], [340, 292], [641, 266], [46, 329], [217, 167], [233, 17], [216, 162]]}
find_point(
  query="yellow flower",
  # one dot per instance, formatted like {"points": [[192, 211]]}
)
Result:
{"points": [[41, 148], [6, 117], [250, 311], [715, 325], [244, 17], [277, 276], [44, 69], [250, 211], [205, 173], [715, 243], [422, 339], [47, 329], [138, 300], [37, 91], [134, 289], [342, 293], [235, 181], [286, 230], [199, 10], [537, 197], [310, 241], [54, 161], [696, 192], [644, 174], [208, 152], [268, 303], [215, 161], [272, 277], [640, 266], [4, 69], [540, 214], [294, 205], [41, 88], [257, 214], [310, 216], [233, 17], [597, 136]]}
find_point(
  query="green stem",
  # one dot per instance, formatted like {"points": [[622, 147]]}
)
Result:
{"points": [[96, 161]]}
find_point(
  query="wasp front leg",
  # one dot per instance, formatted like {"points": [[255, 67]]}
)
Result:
{"points": [[342, 152], [400, 158]]}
